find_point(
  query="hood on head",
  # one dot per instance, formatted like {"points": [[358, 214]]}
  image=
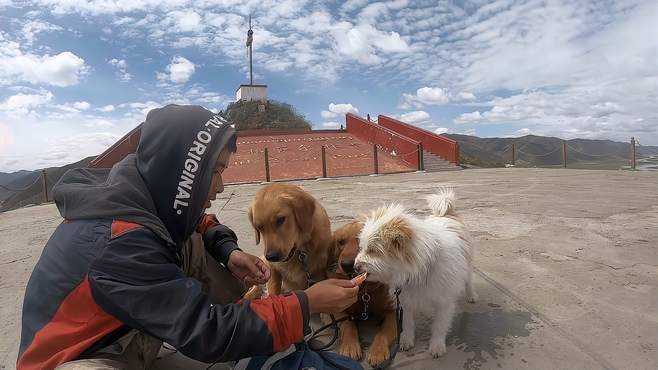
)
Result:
{"points": [[176, 156], [164, 185]]}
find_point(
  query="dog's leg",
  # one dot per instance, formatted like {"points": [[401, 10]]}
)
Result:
{"points": [[274, 284], [471, 296], [440, 326], [379, 350], [349, 340], [408, 336], [255, 292]]}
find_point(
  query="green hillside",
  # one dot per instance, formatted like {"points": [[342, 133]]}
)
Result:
{"points": [[247, 115]]}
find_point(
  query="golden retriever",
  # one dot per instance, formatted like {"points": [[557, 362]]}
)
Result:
{"points": [[380, 306], [290, 222]]}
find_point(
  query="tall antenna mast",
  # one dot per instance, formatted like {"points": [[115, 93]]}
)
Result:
{"points": [[250, 40]]}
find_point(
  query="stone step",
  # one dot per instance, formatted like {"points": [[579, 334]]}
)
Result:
{"points": [[434, 163]]}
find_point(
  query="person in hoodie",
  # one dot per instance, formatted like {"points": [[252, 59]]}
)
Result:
{"points": [[136, 261]]}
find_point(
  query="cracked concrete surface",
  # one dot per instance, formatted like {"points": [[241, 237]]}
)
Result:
{"points": [[567, 264]]}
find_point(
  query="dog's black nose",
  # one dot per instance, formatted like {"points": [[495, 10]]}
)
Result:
{"points": [[273, 256], [347, 265]]}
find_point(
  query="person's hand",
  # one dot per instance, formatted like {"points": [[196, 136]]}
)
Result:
{"points": [[331, 296], [248, 268]]}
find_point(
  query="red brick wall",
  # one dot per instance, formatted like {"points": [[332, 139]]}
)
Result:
{"points": [[442, 146], [389, 141]]}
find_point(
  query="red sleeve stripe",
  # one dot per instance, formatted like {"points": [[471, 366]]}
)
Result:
{"points": [[207, 222], [284, 318], [77, 324], [121, 227]]}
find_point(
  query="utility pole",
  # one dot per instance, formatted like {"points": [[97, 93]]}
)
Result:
{"points": [[513, 154], [250, 40], [633, 153], [564, 153], [44, 176]]}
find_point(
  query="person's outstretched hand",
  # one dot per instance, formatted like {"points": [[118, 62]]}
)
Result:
{"points": [[331, 296], [248, 268]]}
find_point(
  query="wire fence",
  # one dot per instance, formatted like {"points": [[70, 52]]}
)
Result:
{"points": [[16, 190], [36, 192], [565, 154]]}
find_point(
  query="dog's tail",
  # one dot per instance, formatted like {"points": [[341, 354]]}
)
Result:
{"points": [[442, 203]]}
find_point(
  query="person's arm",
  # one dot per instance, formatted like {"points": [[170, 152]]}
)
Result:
{"points": [[218, 239], [136, 280]]}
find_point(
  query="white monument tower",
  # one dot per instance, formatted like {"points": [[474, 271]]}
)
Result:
{"points": [[251, 91]]}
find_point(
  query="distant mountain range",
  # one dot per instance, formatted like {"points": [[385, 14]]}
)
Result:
{"points": [[26, 187], [30, 185], [15, 180], [542, 151]]}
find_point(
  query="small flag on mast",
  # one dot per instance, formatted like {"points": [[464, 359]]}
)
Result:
{"points": [[250, 34]]}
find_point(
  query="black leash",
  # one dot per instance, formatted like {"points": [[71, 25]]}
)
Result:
{"points": [[399, 315]]}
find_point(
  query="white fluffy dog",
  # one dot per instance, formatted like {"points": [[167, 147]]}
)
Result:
{"points": [[429, 259]]}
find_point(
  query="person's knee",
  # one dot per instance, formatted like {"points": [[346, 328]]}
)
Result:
{"points": [[93, 364]]}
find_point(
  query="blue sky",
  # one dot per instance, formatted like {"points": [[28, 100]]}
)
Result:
{"points": [[75, 75]]}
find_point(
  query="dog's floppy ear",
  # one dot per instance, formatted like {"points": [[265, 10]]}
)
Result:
{"points": [[251, 219], [397, 233], [303, 206]]}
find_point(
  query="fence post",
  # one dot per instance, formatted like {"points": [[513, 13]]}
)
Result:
{"points": [[421, 158], [633, 153], [267, 166], [564, 153], [44, 176], [374, 154], [513, 154], [324, 162]]}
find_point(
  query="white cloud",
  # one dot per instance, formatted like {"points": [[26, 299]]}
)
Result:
{"points": [[69, 108], [332, 124], [22, 104], [362, 42], [180, 70], [74, 148], [572, 113], [593, 60], [97, 123], [140, 109], [415, 118], [469, 117], [33, 27], [107, 108], [63, 69], [186, 21], [121, 69], [81, 105], [433, 96], [441, 130], [336, 110], [466, 96]]}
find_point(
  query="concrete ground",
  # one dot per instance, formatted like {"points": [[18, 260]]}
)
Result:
{"points": [[566, 264]]}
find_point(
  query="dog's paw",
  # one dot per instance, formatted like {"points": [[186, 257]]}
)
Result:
{"points": [[437, 349], [473, 298], [406, 341], [351, 349], [378, 353]]}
